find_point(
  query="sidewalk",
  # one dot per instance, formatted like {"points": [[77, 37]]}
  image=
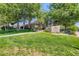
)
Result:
{"points": [[17, 34]]}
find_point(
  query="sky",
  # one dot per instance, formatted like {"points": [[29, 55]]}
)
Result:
{"points": [[77, 24], [45, 6]]}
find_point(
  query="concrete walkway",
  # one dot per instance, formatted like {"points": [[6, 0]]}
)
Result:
{"points": [[62, 34], [2, 36], [17, 34], [59, 34]]}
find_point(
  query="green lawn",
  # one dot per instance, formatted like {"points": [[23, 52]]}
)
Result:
{"points": [[40, 44]]}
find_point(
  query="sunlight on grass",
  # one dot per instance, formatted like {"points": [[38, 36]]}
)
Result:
{"points": [[39, 44]]}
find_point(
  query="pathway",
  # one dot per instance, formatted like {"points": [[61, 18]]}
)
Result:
{"points": [[17, 34]]}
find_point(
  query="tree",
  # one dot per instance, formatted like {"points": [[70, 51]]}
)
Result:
{"points": [[15, 12], [64, 14], [27, 12], [33, 10], [9, 13]]}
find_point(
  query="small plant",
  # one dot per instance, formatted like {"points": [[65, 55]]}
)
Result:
{"points": [[73, 29]]}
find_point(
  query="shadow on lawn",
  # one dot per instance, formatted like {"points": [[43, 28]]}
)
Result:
{"points": [[15, 31]]}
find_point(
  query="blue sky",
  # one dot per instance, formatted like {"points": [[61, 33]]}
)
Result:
{"points": [[45, 6], [77, 24]]}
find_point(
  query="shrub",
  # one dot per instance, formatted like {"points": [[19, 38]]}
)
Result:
{"points": [[73, 29]]}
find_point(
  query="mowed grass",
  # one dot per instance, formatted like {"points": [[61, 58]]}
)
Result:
{"points": [[39, 44]]}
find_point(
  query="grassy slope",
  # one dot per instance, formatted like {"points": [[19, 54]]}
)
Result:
{"points": [[39, 44]]}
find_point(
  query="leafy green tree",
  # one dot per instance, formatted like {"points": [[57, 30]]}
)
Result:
{"points": [[27, 12], [15, 12], [64, 14]]}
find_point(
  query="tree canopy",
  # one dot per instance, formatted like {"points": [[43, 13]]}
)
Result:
{"points": [[65, 14]]}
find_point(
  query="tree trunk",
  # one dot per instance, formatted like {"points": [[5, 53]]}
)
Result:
{"points": [[8, 26], [18, 27], [29, 25], [65, 28], [5, 28], [24, 25]]}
